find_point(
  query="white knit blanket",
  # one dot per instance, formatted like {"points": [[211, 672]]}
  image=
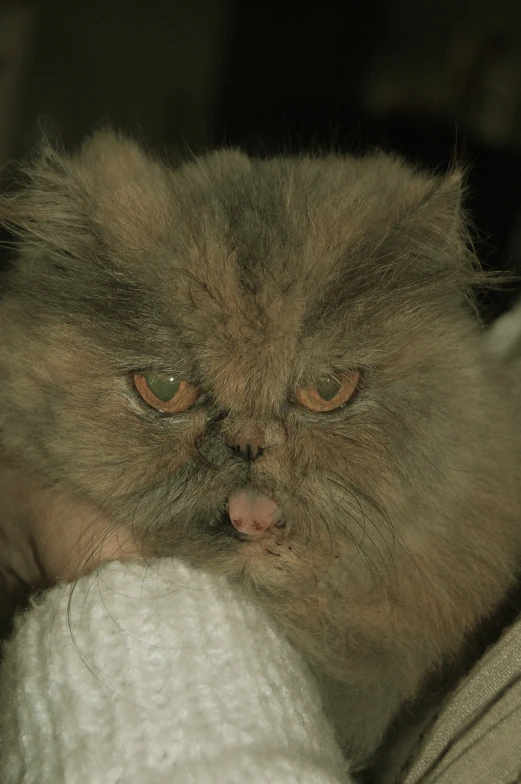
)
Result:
{"points": [[153, 674]]}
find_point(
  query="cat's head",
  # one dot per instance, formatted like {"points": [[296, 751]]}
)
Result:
{"points": [[262, 363]]}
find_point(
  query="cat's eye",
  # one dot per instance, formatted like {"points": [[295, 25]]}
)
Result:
{"points": [[166, 391], [328, 392]]}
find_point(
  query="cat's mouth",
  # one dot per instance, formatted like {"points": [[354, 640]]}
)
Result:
{"points": [[224, 525], [250, 513]]}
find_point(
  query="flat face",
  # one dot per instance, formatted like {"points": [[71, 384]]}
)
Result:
{"points": [[244, 358], [270, 368]]}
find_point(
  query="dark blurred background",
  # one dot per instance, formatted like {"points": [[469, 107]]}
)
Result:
{"points": [[435, 80]]}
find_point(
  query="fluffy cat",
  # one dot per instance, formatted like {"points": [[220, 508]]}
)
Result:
{"points": [[273, 368]]}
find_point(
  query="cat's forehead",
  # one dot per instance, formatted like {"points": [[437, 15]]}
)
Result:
{"points": [[255, 262], [281, 198], [243, 330], [286, 225], [260, 241], [266, 263]]}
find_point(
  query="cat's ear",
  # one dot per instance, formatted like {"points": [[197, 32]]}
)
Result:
{"points": [[109, 191], [129, 191], [440, 205], [431, 223]]}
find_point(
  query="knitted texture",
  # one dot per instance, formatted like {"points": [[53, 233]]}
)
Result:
{"points": [[158, 673]]}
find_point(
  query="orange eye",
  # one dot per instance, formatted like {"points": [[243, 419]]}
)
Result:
{"points": [[166, 392], [329, 392]]}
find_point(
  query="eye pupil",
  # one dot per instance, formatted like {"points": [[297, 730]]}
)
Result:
{"points": [[328, 387], [163, 385]]}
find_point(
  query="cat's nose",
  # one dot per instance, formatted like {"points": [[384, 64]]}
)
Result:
{"points": [[249, 450]]}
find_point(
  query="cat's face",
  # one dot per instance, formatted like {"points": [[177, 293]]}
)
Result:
{"points": [[261, 364]]}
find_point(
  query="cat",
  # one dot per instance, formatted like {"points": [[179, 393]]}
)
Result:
{"points": [[273, 368]]}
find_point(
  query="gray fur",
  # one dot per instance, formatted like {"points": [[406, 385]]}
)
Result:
{"points": [[401, 510]]}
